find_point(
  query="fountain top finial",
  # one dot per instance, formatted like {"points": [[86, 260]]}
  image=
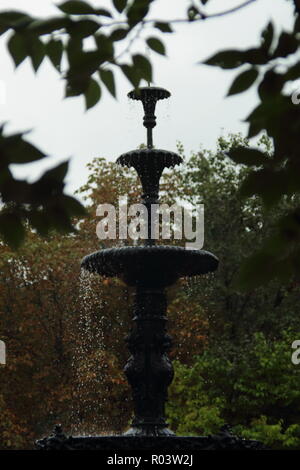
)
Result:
{"points": [[149, 93], [149, 96]]}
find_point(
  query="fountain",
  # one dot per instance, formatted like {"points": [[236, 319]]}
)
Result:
{"points": [[150, 269]]}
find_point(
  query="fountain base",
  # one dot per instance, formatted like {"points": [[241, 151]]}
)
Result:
{"points": [[224, 440]]}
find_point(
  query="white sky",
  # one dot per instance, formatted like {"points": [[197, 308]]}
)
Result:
{"points": [[196, 114]]}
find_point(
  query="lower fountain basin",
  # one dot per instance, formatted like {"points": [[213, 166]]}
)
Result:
{"points": [[150, 266]]}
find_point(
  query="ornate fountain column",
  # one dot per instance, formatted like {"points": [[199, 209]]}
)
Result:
{"points": [[149, 370]]}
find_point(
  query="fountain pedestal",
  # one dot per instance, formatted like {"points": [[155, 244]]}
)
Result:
{"points": [[149, 370]]}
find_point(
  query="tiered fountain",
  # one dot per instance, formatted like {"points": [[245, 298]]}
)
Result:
{"points": [[150, 269]]}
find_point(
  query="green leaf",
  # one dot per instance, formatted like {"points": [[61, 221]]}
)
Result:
{"points": [[83, 28], [13, 149], [108, 79], [267, 36], [131, 74], [57, 173], [293, 73], [92, 94], [13, 19], [21, 45], [119, 34], [247, 156], [76, 7], [287, 44], [267, 183], [164, 27], [229, 59], [271, 85], [54, 50], [103, 12], [193, 13], [243, 81], [48, 26], [105, 46], [144, 67], [11, 229], [39, 221], [120, 5], [37, 52], [74, 49], [156, 45], [137, 11], [73, 206], [17, 48]]}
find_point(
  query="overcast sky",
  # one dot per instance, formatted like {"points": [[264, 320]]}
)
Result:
{"points": [[196, 114]]}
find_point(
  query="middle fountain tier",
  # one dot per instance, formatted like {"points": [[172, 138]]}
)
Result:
{"points": [[150, 268]]}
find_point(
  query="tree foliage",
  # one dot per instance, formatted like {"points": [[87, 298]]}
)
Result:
{"points": [[65, 332], [271, 66]]}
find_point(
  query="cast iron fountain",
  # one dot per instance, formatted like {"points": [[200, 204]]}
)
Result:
{"points": [[150, 269]]}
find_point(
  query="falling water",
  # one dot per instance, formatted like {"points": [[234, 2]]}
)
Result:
{"points": [[88, 358]]}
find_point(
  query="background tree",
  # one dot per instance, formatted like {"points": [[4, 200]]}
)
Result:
{"points": [[270, 66], [65, 332]]}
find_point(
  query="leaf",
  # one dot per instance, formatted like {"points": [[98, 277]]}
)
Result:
{"points": [[229, 59], [131, 74], [247, 156], [108, 79], [48, 26], [83, 28], [243, 81], [14, 149], [293, 73], [37, 52], [267, 183], [164, 27], [103, 12], [17, 48], [267, 36], [76, 7], [92, 94], [193, 13], [120, 5], [21, 46], [271, 85], [54, 50], [57, 173], [11, 229], [119, 34], [74, 49], [137, 11], [287, 44], [144, 67], [156, 45], [13, 19], [73, 206], [105, 46]]}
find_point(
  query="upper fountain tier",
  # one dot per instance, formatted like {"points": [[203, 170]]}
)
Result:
{"points": [[150, 266], [149, 163]]}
